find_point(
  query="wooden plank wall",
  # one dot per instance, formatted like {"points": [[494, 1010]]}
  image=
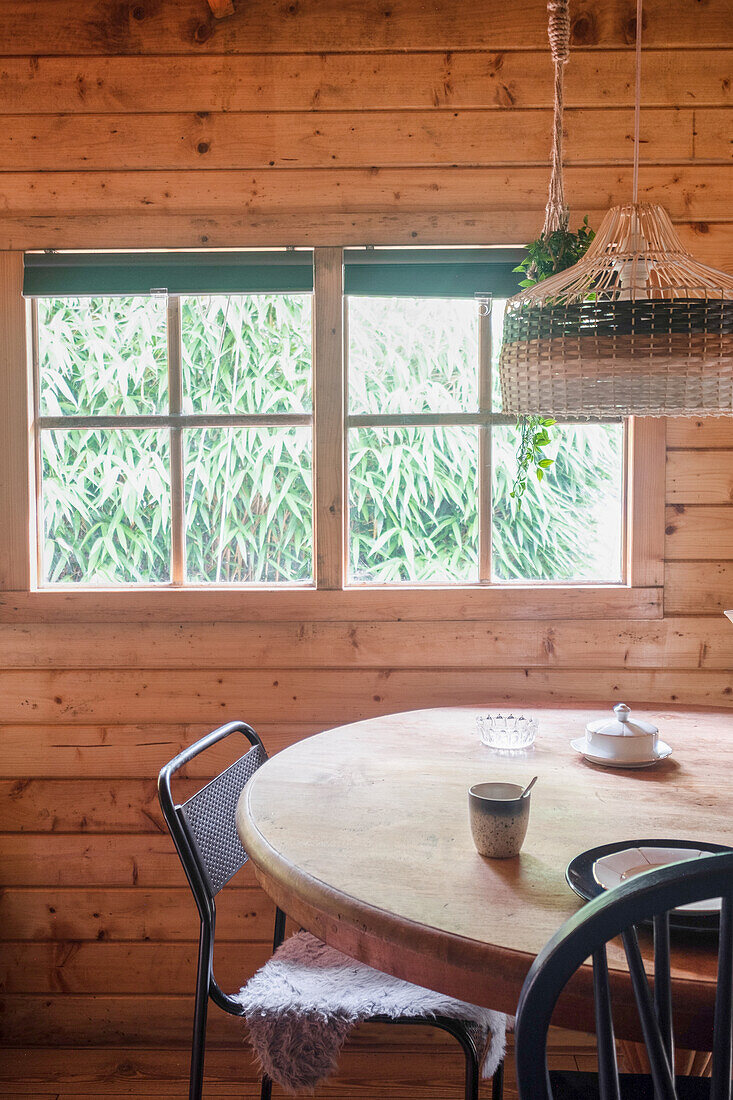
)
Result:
{"points": [[149, 123]]}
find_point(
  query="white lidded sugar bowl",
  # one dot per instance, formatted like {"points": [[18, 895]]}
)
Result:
{"points": [[621, 741]]}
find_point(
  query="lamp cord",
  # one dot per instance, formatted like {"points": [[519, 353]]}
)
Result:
{"points": [[637, 102]]}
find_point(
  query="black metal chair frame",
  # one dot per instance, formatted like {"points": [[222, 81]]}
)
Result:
{"points": [[208, 868], [585, 935]]}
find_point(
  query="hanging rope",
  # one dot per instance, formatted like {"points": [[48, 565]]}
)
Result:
{"points": [[558, 31]]}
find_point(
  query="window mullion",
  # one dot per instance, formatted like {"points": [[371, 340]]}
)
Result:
{"points": [[484, 446], [35, 384], [175, 408], [328, 417], [188, 420]]}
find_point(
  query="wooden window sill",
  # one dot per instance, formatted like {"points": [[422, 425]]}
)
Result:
{"points": [[510, 601]]}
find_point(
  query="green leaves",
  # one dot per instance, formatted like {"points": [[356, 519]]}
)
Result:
{"points": [[248, 496], [106, 506], [569, 528], [106, 494], [248, 353], [548, 255], [102, 355], [412, 355], [533, 438], [554, 252], [249, 503], [413, 505]]}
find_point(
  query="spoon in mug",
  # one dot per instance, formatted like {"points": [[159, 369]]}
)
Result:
{"points": [[529, 787]]}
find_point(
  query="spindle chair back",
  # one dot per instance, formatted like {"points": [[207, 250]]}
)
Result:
{"points": [[650, 897]]}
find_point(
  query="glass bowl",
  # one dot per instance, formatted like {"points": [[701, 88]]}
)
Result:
{"points": [[507, 731]]}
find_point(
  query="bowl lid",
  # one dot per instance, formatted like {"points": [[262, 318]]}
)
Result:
{"points": [[622, 725]]}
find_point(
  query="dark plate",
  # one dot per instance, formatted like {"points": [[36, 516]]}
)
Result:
{"points": [[579, 875]]}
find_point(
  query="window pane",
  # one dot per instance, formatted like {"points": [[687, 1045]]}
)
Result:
{"points": [[497, 328], [413, 505], [105, 501], [411, 355], [102, 355], [247, 353], [569, 527], [249, 505]]}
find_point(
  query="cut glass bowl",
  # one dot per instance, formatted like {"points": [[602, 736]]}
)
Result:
{"points": [[507, 731]]}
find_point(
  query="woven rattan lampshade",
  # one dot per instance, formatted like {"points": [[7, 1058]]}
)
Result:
{"points": [[636, 327]]}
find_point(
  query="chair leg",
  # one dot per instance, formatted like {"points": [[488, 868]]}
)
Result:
{"points": [[266, 1089], [497, 1083], [198, 1043], [279, 932], [473, 1074]]}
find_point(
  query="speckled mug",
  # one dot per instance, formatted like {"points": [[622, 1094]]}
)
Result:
{"points": [[499, 818]]}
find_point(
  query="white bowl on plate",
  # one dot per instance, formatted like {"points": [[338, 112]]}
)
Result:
{"points": [[618, 867], [621, 742]]}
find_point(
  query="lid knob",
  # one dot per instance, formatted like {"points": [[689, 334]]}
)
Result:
{"points": [[622, 712]]}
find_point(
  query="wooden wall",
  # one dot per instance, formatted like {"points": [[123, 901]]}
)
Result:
{"points": [[149, 123]]}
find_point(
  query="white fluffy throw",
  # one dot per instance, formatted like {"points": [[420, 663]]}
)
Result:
{"points": [[302, 1004]]}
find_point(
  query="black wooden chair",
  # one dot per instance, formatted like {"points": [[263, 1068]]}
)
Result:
{"points": [[647, 898], [204, 833]]}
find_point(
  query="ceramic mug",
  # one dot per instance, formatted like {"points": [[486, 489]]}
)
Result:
{"points": [[499, 818]]}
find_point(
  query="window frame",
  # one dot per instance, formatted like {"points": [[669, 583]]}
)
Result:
{"points": [[174, 421], [484, 419], [638, 595]]}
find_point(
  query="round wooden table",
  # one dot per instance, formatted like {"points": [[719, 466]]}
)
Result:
{"points": [[361, 835]]}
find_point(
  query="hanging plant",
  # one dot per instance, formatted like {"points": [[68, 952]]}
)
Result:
{"points": [[553, 252], [550, 253], [555, 249]]}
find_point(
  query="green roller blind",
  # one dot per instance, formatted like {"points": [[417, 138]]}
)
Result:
{"points": [[65, 274], [432, 273], [420, 272]]}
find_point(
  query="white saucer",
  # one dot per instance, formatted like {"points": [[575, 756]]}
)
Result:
{"points": [[581, 745], [610, 870]]}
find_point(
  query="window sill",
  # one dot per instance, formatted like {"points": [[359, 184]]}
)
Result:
{"points": [[475, 602]]}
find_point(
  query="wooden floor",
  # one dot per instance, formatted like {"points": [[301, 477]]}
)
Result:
{"points": [[379, 1063], [414, 1064], [71, 1083]]}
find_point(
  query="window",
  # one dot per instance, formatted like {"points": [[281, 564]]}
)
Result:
{"points": [[175, 434], [177, 441], [414, 484], [431, 458]]}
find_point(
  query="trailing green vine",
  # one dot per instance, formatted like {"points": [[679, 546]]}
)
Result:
{"points": [[533, 438], [549, 254]]}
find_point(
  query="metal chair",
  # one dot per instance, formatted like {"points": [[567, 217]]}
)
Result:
{"points": [[585, 935], [204, 833]]}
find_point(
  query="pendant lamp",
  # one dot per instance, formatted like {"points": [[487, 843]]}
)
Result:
{"points": [[636, 327]]}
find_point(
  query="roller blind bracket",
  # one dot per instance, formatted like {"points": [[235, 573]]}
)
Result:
{"points": [[160, 292], [485, 303]]}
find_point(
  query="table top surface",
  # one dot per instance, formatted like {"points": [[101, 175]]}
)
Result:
{"points": [[362, 834]]}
